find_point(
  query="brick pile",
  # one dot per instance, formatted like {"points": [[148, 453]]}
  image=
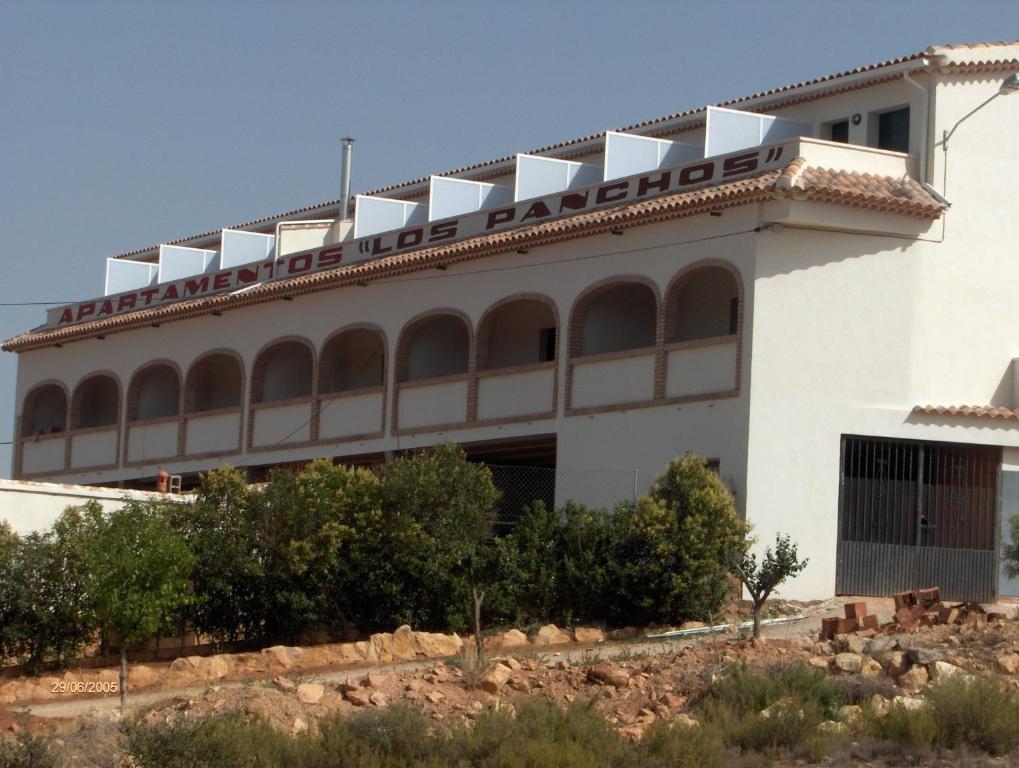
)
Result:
{"points": [[856, 621], [913, 609], [923, 608]]}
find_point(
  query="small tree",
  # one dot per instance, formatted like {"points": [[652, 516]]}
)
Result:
{"points": [[138, 568], [760, 581]]}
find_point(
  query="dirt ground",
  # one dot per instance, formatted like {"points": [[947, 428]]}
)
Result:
{"points": [[633, 683]]}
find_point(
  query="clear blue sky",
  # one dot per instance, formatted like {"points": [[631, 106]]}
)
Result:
{"points": [[123, 124]]}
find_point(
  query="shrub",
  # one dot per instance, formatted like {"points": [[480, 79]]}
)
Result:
{"points": [[913, 728], [798, 699], [44, 614], [676, 746], [671, 548], [27, 752], [219, 528], [746, 691], [230, 741], [960, 711], [976, 711], [541, 734]]}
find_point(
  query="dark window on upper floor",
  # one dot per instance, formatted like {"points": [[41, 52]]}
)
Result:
{"points": [[839, 131], [893, 130], [547, 344]]}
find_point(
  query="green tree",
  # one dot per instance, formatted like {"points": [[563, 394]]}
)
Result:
{"points": [[669, 549], [314, 532], [760, 581], [43, 615], [220, 532], [137, 573], [438, 510]]}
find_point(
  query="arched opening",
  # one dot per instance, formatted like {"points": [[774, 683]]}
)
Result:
{"points": [[214, 382], [154, 393], [96, 402], [615, 318], [45, 411], [702, 305], [282, 372], [352, 360], [435, 346], [519, 332]]}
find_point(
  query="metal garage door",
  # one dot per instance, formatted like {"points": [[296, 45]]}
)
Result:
{"points": [[914, 515]]}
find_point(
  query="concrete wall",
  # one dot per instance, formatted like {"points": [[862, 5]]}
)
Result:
{"points": [[31, 507]]}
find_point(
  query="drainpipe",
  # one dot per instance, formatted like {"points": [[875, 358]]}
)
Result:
{"points": [[345, 178], [926, 117]]}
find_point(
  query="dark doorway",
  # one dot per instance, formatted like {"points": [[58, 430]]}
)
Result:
{"points": [[917, 514]]}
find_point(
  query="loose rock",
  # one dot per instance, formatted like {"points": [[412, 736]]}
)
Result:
{"points": [[848, 662]]}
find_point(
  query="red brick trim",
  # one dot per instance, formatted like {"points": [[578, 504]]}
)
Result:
{"points": [[132, 419], [24, 419], [326, 355], [576, 323], [665, 319], [188, 404], [281, 403], [135, 382], [512, 370], [75, 414], [258, 373], [484, 329], [403, 354]]}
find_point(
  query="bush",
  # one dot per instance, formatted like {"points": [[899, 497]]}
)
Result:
{"points": [[44, 615], [799, 700], [960, 711], [676, 746], [976, 711], [27, 752], [661, 559], [670, 549]]}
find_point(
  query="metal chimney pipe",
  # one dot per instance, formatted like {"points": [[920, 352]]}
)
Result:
{"points": [[345, 178]]}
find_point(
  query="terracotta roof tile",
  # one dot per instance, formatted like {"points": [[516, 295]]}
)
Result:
{"points": [[864, 190], [900, 196], [999, 412]]}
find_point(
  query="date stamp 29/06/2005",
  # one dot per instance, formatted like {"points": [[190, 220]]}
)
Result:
{"points": [[92, 686]]}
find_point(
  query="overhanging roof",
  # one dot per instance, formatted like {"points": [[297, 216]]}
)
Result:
{"points": [[798, 181]]}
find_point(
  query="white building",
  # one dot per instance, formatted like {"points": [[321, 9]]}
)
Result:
{"points": [[806, 286]]}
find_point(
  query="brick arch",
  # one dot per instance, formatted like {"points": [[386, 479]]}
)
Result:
{"points": [[188, 405], [136, 379], [483, 333], [28, 405], [261, 358], [681, 278], [580, 305], [414, 324], [76, 397], [325, 357]]}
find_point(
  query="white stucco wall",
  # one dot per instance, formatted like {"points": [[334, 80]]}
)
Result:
{"points": [[31, 507], [852, 331]]}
